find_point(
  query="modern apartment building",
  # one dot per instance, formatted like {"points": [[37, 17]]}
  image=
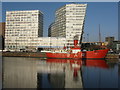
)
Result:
{"points": [[2, 35], [22, 27], [2, 29], [49, 30], [69, 21]]}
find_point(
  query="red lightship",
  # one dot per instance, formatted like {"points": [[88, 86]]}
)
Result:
{"points": [[77, 53]]}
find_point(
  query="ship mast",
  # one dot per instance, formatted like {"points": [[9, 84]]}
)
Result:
{"points": [[99, 34]]}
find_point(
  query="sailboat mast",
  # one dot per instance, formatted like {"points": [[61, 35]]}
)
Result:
{"points": [[99, 34]]}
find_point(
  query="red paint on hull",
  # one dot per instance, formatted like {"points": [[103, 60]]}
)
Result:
{"points": [[96, 54], [72, 61], [88, 63], [96, 63]]}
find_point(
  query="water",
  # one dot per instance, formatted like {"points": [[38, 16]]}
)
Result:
{"points": [[20, 72], [0, 70]]}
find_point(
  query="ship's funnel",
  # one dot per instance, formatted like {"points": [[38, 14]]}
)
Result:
{"points": [[75, 40], [75, 43]]}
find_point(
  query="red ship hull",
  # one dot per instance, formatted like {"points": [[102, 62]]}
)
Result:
{"points": [[96, 54]]}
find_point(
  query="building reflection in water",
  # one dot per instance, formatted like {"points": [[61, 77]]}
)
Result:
{"points": [[0, 70], [119, 74], [19, 72], [51, 73], [69, 71]]}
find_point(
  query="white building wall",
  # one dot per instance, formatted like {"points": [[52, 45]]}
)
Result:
{"points": [[75, 16], [50, 42], [22, 27], [69, 21]]}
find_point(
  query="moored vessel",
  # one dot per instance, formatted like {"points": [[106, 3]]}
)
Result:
{"points": [[77, 53]]}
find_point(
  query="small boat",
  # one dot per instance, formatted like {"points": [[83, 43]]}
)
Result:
{"points": [[77, 53]]}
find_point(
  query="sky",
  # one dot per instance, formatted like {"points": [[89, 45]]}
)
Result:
{"points": [[103, 13]]}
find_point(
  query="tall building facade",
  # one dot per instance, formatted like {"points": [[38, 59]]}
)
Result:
{"points": [[49, 29], [22, 27], [2, 35], [69, 22], [2, 29]]}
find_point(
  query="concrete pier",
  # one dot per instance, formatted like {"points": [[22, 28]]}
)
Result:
{"points": [[43, 55]]}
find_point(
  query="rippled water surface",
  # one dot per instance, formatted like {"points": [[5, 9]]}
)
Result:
{"points": [[19, 72]]}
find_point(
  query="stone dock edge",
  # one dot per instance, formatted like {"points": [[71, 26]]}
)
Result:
{"points": [[43, 55]]}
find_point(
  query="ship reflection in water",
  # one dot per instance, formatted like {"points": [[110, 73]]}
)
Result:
{"points": [[58, 73]]}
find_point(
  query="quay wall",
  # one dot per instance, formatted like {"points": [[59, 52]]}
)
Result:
{"points": [[24, 54], [43, 55], [112, 56]]}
